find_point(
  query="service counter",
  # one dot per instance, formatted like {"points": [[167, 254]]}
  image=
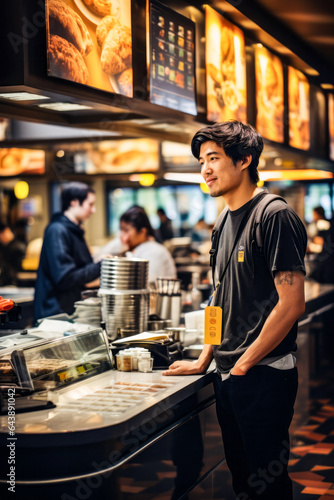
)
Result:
{"points": [[132, 435], [166, 441]]}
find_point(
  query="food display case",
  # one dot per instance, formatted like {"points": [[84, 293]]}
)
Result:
{"points": [[52, 364]]}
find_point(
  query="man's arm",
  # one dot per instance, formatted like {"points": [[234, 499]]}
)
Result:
{"points": [[192, 367], [290, 306]]}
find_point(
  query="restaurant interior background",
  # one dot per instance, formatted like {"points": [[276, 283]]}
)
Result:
{"points": [[122, 120]]}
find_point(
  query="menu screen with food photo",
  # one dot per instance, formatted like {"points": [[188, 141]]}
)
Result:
{"points": [[118, 157], [269, 94], [172, 59], [16, 161], [331, 125], [225, 69], [89, 42], [299, 109]]}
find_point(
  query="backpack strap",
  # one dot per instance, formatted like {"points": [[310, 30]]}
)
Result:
{"points": [[215, 235], [259, 211]]}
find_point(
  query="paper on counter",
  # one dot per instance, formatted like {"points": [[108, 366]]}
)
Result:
{"points": [[143, 336]]}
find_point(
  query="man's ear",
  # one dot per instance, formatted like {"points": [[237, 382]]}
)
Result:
{"points": [[246, 161], [74, 203]]}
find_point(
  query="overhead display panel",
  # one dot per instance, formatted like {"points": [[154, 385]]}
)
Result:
{"points": [[171, 57], [269, 94], [331, 125], [89, 42], [299, 109], [19, 161], [225, 69], [117, 157]]}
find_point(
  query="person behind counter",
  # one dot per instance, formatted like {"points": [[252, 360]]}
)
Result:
{"points": [[138, 235], [66, 265], [165, 231], [12, 252], [260, 289]]}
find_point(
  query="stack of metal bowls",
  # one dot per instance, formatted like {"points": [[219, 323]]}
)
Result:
{"points": [[124, 296]]}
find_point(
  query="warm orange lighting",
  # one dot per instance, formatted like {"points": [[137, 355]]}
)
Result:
{"points": [[294, 175]]}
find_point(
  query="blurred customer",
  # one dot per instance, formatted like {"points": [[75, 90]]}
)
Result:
{"points": [[12, 252], [201, 231], [66, 266], [165, 231], [317, 230], [137, 233], [323, 265]]}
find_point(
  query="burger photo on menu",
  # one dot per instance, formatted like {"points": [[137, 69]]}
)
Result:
{"points": [[225, 69], [269, 94], [89, 42]]}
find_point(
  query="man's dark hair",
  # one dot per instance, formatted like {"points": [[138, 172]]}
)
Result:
{"points": [[236, 139], [161, 211], [74, 191], [3, 226], [320, 211], [137, 217]]}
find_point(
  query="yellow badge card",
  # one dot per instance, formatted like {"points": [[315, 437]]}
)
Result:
{"points": [[241, 256], [213, 325]]}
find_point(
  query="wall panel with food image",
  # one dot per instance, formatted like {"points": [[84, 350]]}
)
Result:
{"points": [[269, 94], [89, 42], [225, 69], [331, 125], [21, 161], [117, 157], [171, 58], [299, 109]]}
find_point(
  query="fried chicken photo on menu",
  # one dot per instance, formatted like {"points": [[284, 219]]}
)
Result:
{"points": [[67, 24], [103, 7], [116, 51], [69, 43], [66, 61]]}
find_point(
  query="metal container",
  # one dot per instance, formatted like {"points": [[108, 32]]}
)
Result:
{"points": [[124, 296]]}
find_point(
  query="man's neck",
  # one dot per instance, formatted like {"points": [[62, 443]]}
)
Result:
{"points": [[238, 198], [71, 217]]}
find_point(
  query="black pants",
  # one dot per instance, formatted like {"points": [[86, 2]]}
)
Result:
{"points": [[254, 412]]}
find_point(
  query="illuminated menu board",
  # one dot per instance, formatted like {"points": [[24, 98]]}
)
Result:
{"points": [[19, 161], [299, 109], [269, 94], [172, 59], [90, 42], [225, 69], [331, 125]]}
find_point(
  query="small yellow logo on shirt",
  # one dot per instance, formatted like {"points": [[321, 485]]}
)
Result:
{"points": [[241, 256]]}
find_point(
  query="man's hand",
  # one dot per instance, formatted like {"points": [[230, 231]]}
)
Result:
{"points": [[192, 367], [184, 368], [236, 371]]}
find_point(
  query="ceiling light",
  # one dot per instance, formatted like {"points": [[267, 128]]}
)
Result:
{"points": [[327, 86], [21, 190], [278, 162], [23, 96], [312, 72], [294, 175], [64, 106], [183, 177]]}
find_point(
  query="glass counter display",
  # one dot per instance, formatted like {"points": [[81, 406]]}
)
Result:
{"points": [[53, 364]]}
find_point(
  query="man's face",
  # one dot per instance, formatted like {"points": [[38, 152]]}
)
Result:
{"points": [[131, 237], [85, 210], [218, 170]]}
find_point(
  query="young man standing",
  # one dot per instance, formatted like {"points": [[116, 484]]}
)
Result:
{"points": [[66, 265], [259, 276]]}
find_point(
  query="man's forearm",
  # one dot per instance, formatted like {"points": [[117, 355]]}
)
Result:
{"points": [[205, 357], [277, 326]]}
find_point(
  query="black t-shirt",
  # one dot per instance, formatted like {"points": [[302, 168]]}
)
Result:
{"points": [[247, 294]]}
